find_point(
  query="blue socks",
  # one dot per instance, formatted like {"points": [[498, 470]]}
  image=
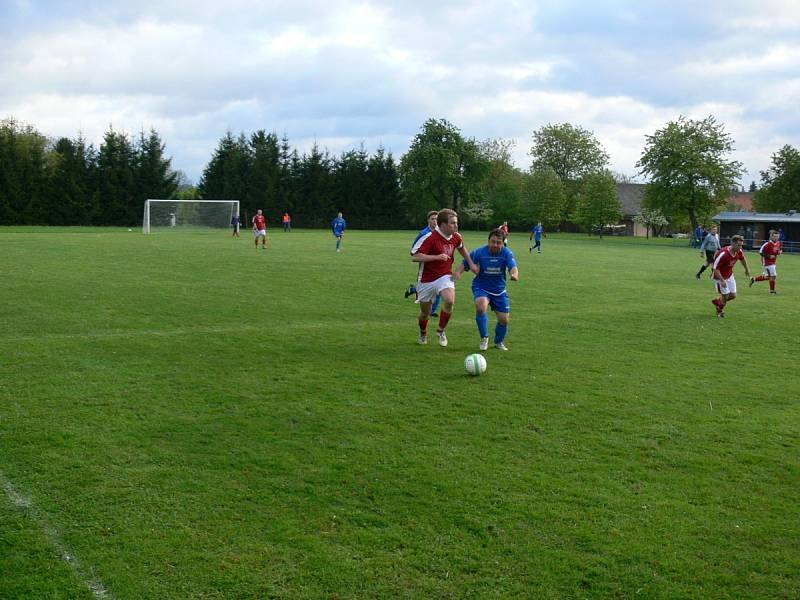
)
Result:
{"points": [[483, 324], [500, 332]]}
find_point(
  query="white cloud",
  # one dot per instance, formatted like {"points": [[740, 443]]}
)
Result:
{"points": [[344, 73]]}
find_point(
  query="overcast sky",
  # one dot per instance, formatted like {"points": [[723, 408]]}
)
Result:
{"points": [[347, 73]]}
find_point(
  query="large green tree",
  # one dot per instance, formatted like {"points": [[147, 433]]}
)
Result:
{"points": [[441, 169], [598, 204], [503, 185], [780, 184], [688, 165], [572, 153], [544, 198]]}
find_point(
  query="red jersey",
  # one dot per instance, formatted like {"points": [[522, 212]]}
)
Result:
{"points": [[435, 243], [260, 222], [769, 248], [724, 261]]}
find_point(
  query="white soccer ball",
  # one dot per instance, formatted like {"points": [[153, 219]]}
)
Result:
{"points": [[475, 364], [129, 229]]}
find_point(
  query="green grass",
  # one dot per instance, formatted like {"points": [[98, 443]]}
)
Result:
{"points": [[193, 418]]}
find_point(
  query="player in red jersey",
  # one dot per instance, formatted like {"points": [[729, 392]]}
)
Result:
{"points": [[723, 273], [434, 252], [769, 256], [260, 229]]}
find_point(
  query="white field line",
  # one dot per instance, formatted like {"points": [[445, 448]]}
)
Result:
{"points": [[23, 503]]}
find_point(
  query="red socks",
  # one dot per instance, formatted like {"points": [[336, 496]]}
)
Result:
{"points": [[444, 318], [423, 326]]}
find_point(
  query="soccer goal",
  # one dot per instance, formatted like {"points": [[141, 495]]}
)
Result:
{"points": [[172, 215]]}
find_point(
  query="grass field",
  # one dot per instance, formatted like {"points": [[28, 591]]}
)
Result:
{"points": [[188, 417]]}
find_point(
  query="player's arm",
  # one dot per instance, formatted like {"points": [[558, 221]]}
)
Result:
{"points": [[514, 274], [746, 266], [423, 258], [472, 266]]}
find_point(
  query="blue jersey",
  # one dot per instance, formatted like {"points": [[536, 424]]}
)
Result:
{"points": [[338, 225], [422, 233], [537, 232], [493, 267]]}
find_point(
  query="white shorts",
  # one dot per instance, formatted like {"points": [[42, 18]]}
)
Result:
{"points": [[726, 287], [427, 292], [259, 233], [771, 270]]}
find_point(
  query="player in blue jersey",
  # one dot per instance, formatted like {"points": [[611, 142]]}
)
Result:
{"points": [[412, 289], [338, 225], [536, 236], [489, 287]]}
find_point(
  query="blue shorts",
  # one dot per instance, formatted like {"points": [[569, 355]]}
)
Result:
{"points": [[497, 302]]}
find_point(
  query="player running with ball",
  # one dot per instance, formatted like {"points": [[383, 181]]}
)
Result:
{"points": [[723, 273], [434, 252], [489, 287]]}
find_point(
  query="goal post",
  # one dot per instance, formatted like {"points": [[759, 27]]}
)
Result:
{"points": [[195, 215]]}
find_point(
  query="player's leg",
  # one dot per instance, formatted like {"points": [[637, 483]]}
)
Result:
{"points": [[719, 301], [425, 293], [502, 308], [482, 320], [436, 303], [449, 299]]}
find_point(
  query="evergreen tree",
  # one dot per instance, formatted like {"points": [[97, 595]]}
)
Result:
{"points": [[71, 183], [116, 181], [225, 177], [23, 196], [315, 186], [385, 208], [350, 192], [154, 175], [264, 179]]}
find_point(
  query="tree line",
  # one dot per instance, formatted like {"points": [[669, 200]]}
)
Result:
{"points": [[568, 184]]}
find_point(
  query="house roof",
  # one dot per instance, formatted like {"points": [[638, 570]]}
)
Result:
{"points": [[754, 217], [742, 201], [630, 197]]}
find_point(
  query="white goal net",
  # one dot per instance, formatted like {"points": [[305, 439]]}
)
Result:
{"points": [[171, 215]]}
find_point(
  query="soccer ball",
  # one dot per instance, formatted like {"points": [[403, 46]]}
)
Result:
{"points": [[475, 364]]}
